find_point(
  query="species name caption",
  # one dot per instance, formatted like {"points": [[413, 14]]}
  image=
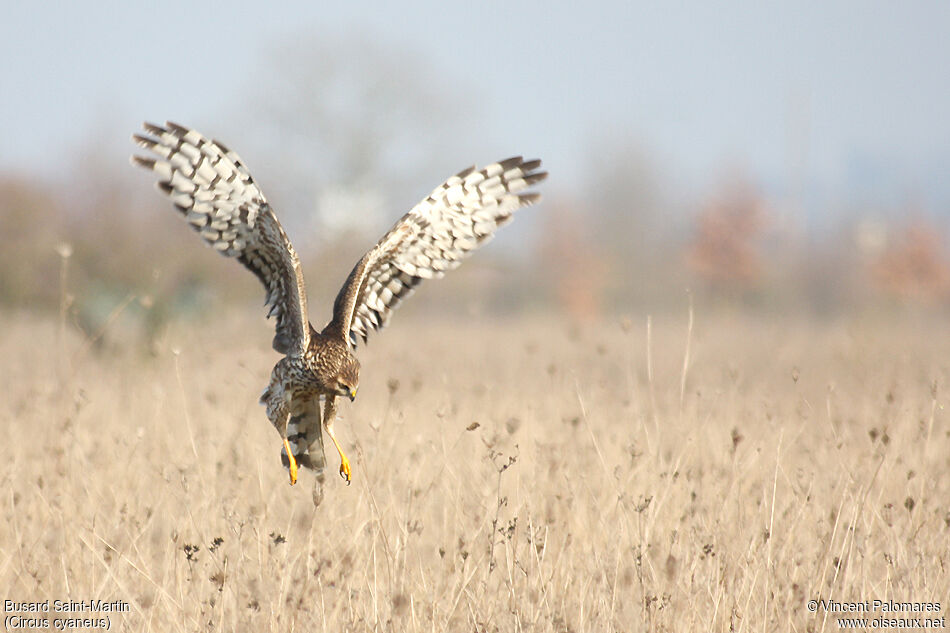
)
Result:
{"points": [[62, 615]]}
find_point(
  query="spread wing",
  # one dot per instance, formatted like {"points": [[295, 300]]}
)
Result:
{"points": [[459, 216], [217, 196]]}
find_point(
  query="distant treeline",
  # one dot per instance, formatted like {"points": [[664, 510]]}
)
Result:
{"points": [[614, 251]]}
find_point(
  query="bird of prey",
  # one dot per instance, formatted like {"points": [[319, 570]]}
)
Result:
{"points": [[218, 197]]}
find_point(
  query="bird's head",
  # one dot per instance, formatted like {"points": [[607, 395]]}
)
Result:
{"points": [[348, 380]]}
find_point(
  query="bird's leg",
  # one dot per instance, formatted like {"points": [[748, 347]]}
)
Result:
{"points": [[284, 416], [292, 461], [329, 415], [277, 403]]}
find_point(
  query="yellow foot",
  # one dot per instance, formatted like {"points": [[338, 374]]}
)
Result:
{"points": [[293, 462], [345, 469]]}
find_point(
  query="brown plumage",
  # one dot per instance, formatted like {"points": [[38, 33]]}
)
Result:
{"points": [[216, 194]]}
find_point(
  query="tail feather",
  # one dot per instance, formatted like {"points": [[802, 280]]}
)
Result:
{"points": [[305, 435]]}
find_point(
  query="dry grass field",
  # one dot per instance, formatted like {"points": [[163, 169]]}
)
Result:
{"points": [[523, 475]]}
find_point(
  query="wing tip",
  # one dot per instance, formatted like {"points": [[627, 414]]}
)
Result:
{"points": [[528, 168], [176, 128], [141, 161], [513, 161], [153, 128], [530, 165], [527, 199], [535, 177], [145, 142]]}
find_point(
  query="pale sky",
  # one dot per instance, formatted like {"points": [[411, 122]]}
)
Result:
{"points": [[853, 98]]}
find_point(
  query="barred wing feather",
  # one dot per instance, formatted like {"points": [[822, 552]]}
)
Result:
{"points": [[456, 218], [217, 196]]}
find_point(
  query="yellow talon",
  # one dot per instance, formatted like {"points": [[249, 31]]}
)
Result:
{"points": [[293, 462], [329, 413], [345, 469]]}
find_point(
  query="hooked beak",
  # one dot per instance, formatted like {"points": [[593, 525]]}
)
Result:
{"points": [[352, 394]]}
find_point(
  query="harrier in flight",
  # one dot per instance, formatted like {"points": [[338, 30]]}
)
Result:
{"points": [[215, 193]]}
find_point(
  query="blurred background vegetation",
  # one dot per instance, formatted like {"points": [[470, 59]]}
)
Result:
{"points": [[351, 135]]}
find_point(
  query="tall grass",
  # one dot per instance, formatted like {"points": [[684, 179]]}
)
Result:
{"points": [[519, 475]]}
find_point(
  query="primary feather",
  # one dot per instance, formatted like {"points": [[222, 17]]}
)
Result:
{"points": [[460, 215], [217, 196]]}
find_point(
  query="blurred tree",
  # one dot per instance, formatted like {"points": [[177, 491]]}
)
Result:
{"points": [[626, 215], [571, 263], [350, 127], [914, 266], [724, 252], [355, 123]]}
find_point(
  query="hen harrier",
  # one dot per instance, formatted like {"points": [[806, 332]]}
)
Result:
{"points": [[216, 194]]}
